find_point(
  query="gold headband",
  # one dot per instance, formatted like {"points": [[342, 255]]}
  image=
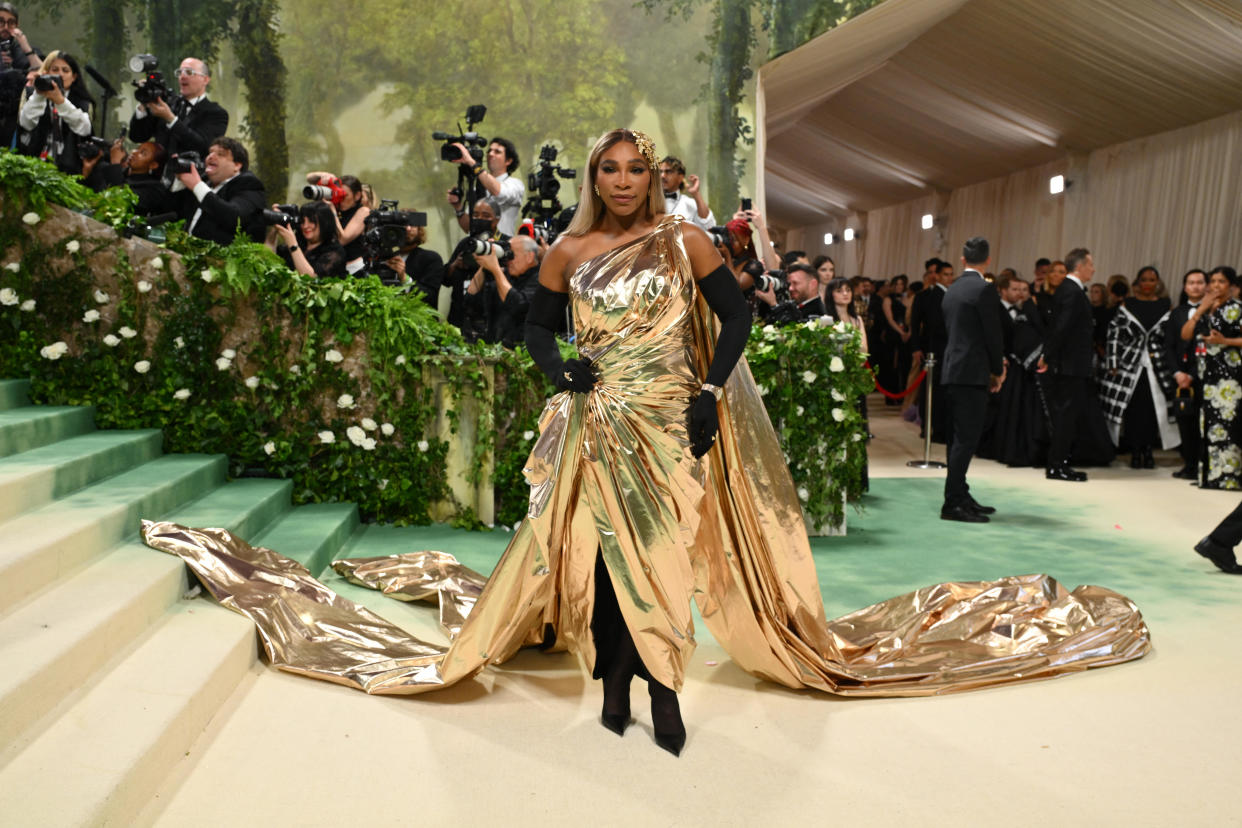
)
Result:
{"points": [[645, 146]]}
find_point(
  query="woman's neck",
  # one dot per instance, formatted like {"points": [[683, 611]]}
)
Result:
{"points": [[615, 225]]}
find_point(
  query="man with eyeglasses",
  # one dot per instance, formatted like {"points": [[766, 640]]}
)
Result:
{"points": [[17, 57], [187, 122]]}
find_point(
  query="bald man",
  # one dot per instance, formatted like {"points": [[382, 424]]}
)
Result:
{"points": [[189, 121]]}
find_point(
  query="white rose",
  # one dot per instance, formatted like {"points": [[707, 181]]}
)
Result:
{"points": [[269, 448], [142, 366], [179, 342], [181, 394], [400, 360], [857, 437], [811, 324], [157, 263], [8, 296], [801, 411], [528, 435], [228, 353], [327, 437], [144, 286], [13, 267], [823, 321], [423, 445], [838, 414], [763, 392], [836, 364], [842, 326], [295, 369], [91, 315], [72, 246], [54, 351], [387, 429], [28, 305], [206, 276], [383, 484], [368, 444], [368, 424], [345, 401], [112, 341], [768, 330], [252, 383], [356, 435], [127, 332], [803, 494], [224, 364], [333, 355], [31, 218], [809, 376]]}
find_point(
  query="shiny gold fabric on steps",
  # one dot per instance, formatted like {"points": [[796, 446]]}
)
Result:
{"points": [[611, 472]]}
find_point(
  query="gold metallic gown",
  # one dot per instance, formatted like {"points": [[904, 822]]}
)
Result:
{"points": [[612, 473]]}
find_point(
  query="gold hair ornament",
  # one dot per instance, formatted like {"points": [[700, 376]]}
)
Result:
{"points": [[645, 146]]}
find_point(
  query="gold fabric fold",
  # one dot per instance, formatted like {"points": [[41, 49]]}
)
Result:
{"points": [[611, 473], [420, 576]]}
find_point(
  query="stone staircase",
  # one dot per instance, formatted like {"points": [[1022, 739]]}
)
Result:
{"points": [[107, 676]]}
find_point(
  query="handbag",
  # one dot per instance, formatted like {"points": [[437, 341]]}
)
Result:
{"points": [[1184, 403]]}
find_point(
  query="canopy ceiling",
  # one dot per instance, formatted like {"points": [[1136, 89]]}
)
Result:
{"points": [[916, 96]]}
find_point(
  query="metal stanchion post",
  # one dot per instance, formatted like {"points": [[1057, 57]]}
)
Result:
{"points": [[929, 364]]}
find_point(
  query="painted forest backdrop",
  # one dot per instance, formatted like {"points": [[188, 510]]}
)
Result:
{"points": [[358, 88]]}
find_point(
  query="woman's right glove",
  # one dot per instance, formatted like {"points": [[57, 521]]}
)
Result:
{"points": [[576, 375], [545, 315], [704, 423]]}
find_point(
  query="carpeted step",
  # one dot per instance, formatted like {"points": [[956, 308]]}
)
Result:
{"points": [[14, 394], [26, 428], [48, 544], [312, 534], [57, 641], [34, 478]]}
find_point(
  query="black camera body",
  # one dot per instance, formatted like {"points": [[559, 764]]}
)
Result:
{"points": [[720, 236], [384, 237], [91, 147], [185, 161], [152, 86], [473, 141], [285, 215], [543, 181], [46, 83]]}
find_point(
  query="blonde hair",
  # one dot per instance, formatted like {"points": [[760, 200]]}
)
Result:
{"points": [[590, 206]]}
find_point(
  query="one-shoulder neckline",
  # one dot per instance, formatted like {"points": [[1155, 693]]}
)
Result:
{"points": [[659, 226]]}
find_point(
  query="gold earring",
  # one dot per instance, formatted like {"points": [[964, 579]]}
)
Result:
{"points": [[597, 189]]}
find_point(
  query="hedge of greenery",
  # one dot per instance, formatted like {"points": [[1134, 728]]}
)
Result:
{"points": [[328, 383]]}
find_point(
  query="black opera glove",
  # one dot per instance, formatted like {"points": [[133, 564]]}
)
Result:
{"points": [[576, 375], [546, 315], [704, 423]]}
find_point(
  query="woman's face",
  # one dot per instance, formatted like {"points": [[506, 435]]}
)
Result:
{"points": [[623, 179], [826, 271], [310, 230], [60, 67], [1218, 285], [899, 286], [349, 199], [1097, 294], [1147, 284], [842, 295]]}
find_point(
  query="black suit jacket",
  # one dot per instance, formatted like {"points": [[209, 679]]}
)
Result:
{"points": [[206, 122], [240, 200], [812, 309], [1069, 347], [927, 321], [975, 350], [1180, 354]]}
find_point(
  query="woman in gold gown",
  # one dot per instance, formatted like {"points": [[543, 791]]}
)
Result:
{"points": [[636, 508]]}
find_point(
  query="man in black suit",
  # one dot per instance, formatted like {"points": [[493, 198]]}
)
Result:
{"points": [[187, 122], [930, 337], [229, 198], [974, 365], [804, 301], [1068, 353], [1180, 354]]}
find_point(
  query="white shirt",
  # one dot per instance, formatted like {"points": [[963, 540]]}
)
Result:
{"points": [[509, 202], [78, 121], [1076, 280], [685, 206], [140, 110], [201, 189]]}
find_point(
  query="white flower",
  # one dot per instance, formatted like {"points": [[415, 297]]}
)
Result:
{"points": [[768, 330], [345, 401], [269, 448], [823, 321], [179, 342], [763, 392], [157, 263], [333, 355], [842, 327], [144, 286], [28, 305], [838, 414], [838, 396], [856, 437], [801, 411], [57, 349], [383, 484], [356, 435], [252, 383], [386, 429], [528, 435], [206, 276], [72, 246], [811, 324], [836, 364], [423, 445], [368, 444], [91, 315], [295, 369], [13, 267], [809, 376], [224, 364], [127, 332], [111, 341], [181, 394], [803, 494], [400, 360], [142, 366], [327, 437], [31, 218], [8, 296], [228, 353], [368, 424]]}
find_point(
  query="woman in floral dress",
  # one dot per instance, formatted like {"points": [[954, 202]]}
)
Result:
{"points": [[1217, 324]]}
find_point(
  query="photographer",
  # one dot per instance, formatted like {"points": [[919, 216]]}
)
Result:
{"points": [[17, 59], [314, 249], [804, 301], [139, 170], [683, 196], [188, 122], [230, 197], [505, 191], [505, 299], [56, 116], [485, 222], [345, 195], [421, 268]]}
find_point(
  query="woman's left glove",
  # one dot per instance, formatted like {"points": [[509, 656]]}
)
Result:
{"points": [[704, 424]]}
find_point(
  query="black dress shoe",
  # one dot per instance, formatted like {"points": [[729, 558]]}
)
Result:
{"points": [[1136, 459], [1220, 555], [979, 507], [1186, 473], [1149, 462], [1065, 473], [963, 513]]}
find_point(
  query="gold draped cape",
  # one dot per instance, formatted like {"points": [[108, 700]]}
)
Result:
{"points": [[611, 473]]}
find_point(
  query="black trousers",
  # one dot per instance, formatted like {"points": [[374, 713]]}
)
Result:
{"points": [[1229, 532], [967, 407], [1067, 400], [1188, 428], [939, 406]]}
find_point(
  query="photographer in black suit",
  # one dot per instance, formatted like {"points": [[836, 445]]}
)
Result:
{"points": [[188, 122], [804, 302], [17, 57], [229, 198], [1068, 353], [974, 365]]}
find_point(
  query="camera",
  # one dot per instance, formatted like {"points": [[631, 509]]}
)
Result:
{"points": [[473, 141], [152, 86], [773, 280], [544, 203], [185, 161], [721, 237], [483, 247], [284, 214], [536, 231], [329, 187], [384, 236], [46, 83], [91, 147]]}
